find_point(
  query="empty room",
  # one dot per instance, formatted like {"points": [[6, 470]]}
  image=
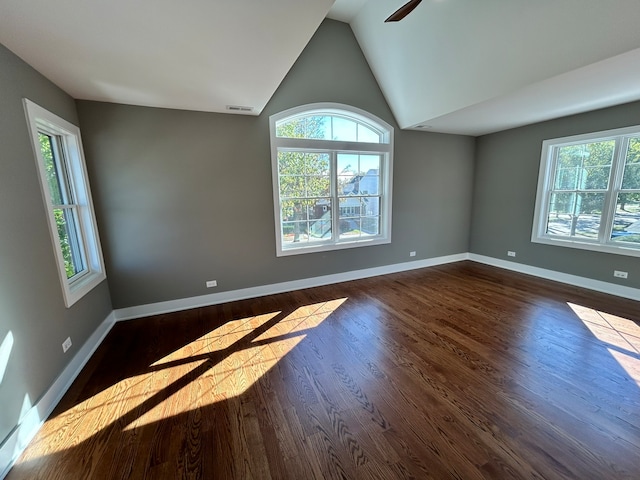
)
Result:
{"points": [[316, 239]]}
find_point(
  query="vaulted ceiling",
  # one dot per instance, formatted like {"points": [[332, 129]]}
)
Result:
{"points": [[457, 66]]}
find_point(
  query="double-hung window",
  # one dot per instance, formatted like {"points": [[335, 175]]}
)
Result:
{"points": [[589, 192], [65, 190], [332, 174]]}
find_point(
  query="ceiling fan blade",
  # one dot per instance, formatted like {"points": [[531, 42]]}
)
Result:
{"points": [[403, 11]]}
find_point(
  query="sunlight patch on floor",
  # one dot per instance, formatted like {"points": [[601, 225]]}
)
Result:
{"points": [[221, 364], [231, 374], [219, 339], [622, 334]]}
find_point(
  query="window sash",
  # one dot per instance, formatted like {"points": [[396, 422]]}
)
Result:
{"points": [[548, 191], [72, 245], [61, 187], [334, 199]]}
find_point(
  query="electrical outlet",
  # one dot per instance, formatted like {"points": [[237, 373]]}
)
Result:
{"points": [[66, 345], [620, 274], [511, 253], [212, 283], [412, 254]]}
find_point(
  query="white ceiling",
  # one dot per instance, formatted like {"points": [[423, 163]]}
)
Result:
{"points": [[479, 66], [458, 66], [193, 55]]}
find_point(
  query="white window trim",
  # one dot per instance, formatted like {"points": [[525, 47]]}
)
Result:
{"points": [[545, 179], [386, 175], [39, 119]]}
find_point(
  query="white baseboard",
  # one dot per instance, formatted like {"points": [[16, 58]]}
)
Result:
{"points": [[29, 425], [260, 291], [588, 283]]}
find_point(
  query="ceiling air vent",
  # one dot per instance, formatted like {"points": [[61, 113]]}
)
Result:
{"points": [[239, 108]]}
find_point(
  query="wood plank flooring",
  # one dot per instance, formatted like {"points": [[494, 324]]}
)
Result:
{"points": [[459, 371]]}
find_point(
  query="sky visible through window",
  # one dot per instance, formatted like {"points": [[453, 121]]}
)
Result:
{"points": [[329, 127]]}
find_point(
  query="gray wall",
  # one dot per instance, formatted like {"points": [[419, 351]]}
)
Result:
{"points": [[31, 303], [185, 197], [505, 191]]}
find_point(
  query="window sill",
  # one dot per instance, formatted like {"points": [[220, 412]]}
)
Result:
{"points": [[283, 252], [595, 247], [75, 291]]}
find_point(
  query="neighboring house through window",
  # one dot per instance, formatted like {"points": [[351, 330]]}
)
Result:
{"points": [[589, 192], [332, 174], [65, 190]]}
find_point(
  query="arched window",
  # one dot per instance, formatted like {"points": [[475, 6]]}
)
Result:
{"points": [[332, 173]]}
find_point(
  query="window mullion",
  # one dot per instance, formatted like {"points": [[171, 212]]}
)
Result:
{"points": [[611, 198], [335, 201]]}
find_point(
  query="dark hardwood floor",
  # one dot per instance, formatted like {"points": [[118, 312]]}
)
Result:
{"points": [[459, 371]]}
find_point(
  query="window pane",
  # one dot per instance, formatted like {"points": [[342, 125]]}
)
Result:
{"points": [[304, 187], [358, 185], [631, 179], [371, 206], [370, 226], [596, 178], [47, 149], [370, 185], [366, 134], [304, 174], [359, 206], [369, 164], [318, 186], [566, 178], [584, 167], [316, 163], [291, 186], [301, 163], [350, 227], [357, 227], [626, 224], [306, 232], [350, 207], [352, 163], [344, 129], [328, 127], [575, 214], [320, 226], [348, 164], [66, 223], [304, 209], [314, 126], [290, 162], [306, 220], [358, 174]]}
